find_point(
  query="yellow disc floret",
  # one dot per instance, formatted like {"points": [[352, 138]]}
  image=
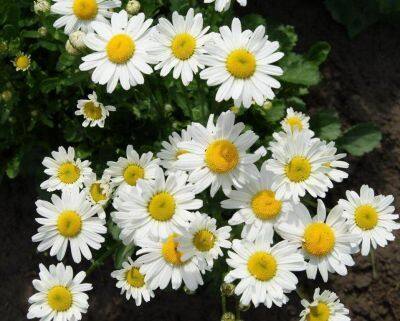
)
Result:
{"points": [[92, 110], [134, 278], [366, 217], [132, 173], [22, 62], [319, 239], [120, 48], [265, 206], [68, 173], [170, 251], [294, 122], [298, 169], [262, 266], [69, 223], [221, 156], [162, 206], [241, 63], [96, 192], [204, 240], [59, 298], [85, 9], [320, 312], [183, 46]]}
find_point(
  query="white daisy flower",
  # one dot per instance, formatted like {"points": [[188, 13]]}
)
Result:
{"points": [[223, 5], [81, 14], [298, 161], [217, 154], [336, 164], [158, 207], [60, 295], [22, 62], [258, 207], [295, 120], [170, 152], [324, 241], [162, 263], [127, 171], [121, 51], [94, 112], [370, 217], [69, 220], [131, 281], [265, 272], [324, 307], [64, 170], [204, 241], [98, 191], [240, 63], [179, 44]]}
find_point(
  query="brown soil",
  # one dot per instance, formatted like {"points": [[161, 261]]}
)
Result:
{"points": [[362, 83]]}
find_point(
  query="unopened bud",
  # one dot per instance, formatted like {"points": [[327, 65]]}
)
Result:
{"points": [[133, 7], [228, 316], [42, 31], [77, 40], [267, 105], [227, 289], [188, 291], [244, 307], [3, 47], [71, 49], [6, 95], [41, 6]]}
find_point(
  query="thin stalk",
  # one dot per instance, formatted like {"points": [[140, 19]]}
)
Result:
{"points": [[237, 314], [100, 261], [223, 303], [373, 262]]}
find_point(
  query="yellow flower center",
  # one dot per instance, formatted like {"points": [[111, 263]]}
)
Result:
{"points": [[183, 46], [132, 173], [204, 240], [96, 192], [120, 48], [22, 62], [221, 156], [262, 266], [320, 312], [68, 173], [180, 152], [294, 122], [92, 111], [298, 169], [170, 252], [59, 298], [162, 207], [69, 224], [134, 278], [85, 9], [366, 217], [265, 206], [241, 63], [319, 239]]}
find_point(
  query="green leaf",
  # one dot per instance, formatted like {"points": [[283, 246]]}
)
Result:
{"points": [[300, 71], [286, 36], [326, 125], [13, 166], [360, 139], [319, 52], [252, 21], [122, 253]]}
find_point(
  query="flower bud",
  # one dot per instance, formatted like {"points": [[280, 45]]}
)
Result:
{"points": [[77, 40], [227, 289], [228, 316], [244, 307], [133, 7], [41, 6], [188, 291], [71, 49], [6, 95], [3, 47], [42, 31]]}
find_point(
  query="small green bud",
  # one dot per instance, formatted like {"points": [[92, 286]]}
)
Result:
{"points": [[133, 7], [228, 316], [227, 289]]}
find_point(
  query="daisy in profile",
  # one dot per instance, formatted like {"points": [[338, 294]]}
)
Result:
{"points": [[204, 241], [170, 152], [127, 171], [131, 281], [223, 5], [334, 168], [98, 191], [257, 206], [94, 112], [179, 44], [265, 273], [69, 220], [162, 263], [121, 51], [217, 154], [298, 162], [158, 207], [22, 62], [325, 306], [325, 241], [81, 14], [64, 170], [370, 217], [60, 295], [240, 63], [295, 120]]}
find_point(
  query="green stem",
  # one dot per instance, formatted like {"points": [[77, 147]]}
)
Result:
{"points": [[237, 314], [373, 262], [223, 303], [100, 261]]}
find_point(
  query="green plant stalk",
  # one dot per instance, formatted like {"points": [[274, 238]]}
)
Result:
{"points": [[100, 261], [223, 303], [373, 262], [237, 310]]}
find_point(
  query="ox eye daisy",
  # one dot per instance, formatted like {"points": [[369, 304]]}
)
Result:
{"points": [[98, 191], [334, 167], [64, 170], [81, 14], [162, 263], [295, 121], [94, 112], [217, 154], [240, 63], [370, 217], [121, 51], [325, 306], [159, 207], [325, 241], [131, 281], [259, 209], [223, 5], [204, 241], [179, 44], [60, 295], [69, 220], [22, 62], [264, 273]]}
